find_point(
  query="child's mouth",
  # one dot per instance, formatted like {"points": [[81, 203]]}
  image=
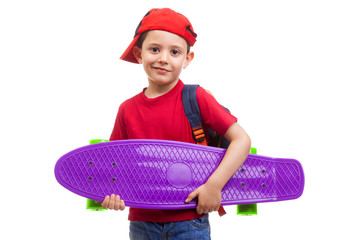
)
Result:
{"points": [[161, 70]]}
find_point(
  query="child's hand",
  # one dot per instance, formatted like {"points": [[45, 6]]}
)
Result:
{"points": [[113, 203], [209, 198]]}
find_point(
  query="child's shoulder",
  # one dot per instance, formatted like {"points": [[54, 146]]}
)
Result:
{"points": [[131, 102], [203, 94]]}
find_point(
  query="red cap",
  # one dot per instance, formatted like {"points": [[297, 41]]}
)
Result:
{"points": [[161, 19]]}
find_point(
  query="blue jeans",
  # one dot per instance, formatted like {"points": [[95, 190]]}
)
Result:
{"points": [[191, 229]]}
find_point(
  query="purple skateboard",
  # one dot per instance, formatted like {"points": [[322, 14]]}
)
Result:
{"points": [[158, 174]]}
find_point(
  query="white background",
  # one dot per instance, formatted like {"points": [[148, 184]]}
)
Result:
{"points": [[286, 69]]}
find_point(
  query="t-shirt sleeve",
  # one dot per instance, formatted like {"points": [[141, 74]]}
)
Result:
{"points": [[213, 115], [119, 130]]}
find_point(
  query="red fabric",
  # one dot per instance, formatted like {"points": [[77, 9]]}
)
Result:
{"points": [[164, 118]]}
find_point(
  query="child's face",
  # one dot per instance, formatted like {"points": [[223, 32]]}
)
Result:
{"points": [[163, 55]]}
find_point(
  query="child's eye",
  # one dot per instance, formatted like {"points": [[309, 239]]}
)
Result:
{"points": [[175, 52], [154, 50]]}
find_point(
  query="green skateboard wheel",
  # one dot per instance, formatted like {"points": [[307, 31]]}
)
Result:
{"points": [[93, 141], [92, 205], [248, 209]]}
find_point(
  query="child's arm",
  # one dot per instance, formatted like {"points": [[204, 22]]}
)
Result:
{"points": [[209, 194]]}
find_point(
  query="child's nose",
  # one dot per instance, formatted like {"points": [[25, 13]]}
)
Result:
{"points": [[163, 58]]}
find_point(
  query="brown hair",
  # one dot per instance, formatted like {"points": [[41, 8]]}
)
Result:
{"points": [[144, 35]]}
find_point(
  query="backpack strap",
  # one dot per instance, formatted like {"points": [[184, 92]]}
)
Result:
{"points": [[192, 113]]}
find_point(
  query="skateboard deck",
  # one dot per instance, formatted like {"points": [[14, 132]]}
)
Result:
{"points": [[159, 174]]}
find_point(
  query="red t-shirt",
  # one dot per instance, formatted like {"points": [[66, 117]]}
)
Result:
{"points": [[164, 118]]}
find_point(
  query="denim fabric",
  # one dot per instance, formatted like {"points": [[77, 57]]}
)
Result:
{"points": [[192, 229]]}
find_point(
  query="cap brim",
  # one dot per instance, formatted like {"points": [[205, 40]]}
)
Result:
{"points": [[128, 55]]}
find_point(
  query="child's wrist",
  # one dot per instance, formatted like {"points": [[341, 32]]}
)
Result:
{"points": [[215, 183]]}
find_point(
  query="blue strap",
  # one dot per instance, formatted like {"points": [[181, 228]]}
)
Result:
{"points": [[191, 107]]}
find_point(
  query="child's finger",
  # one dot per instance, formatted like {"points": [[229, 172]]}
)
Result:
{"points": [[192, 195], [105, 203], [112, 201], [117, 203], [201, 210], [122, 205]]}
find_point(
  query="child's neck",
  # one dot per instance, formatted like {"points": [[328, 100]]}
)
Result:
{"points": [[156, 90]]}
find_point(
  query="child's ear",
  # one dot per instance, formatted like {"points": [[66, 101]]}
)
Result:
{"points": [[137, 54], [188, 59]]}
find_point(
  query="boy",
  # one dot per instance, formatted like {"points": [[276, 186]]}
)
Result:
{"points": [[162, 45]]}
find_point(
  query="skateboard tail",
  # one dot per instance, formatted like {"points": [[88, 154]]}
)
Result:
{"points": [[290, 179], [264, 179], [72, 182]]}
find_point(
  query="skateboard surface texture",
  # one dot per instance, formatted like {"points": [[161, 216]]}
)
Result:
{"points": [[158, 174]]}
